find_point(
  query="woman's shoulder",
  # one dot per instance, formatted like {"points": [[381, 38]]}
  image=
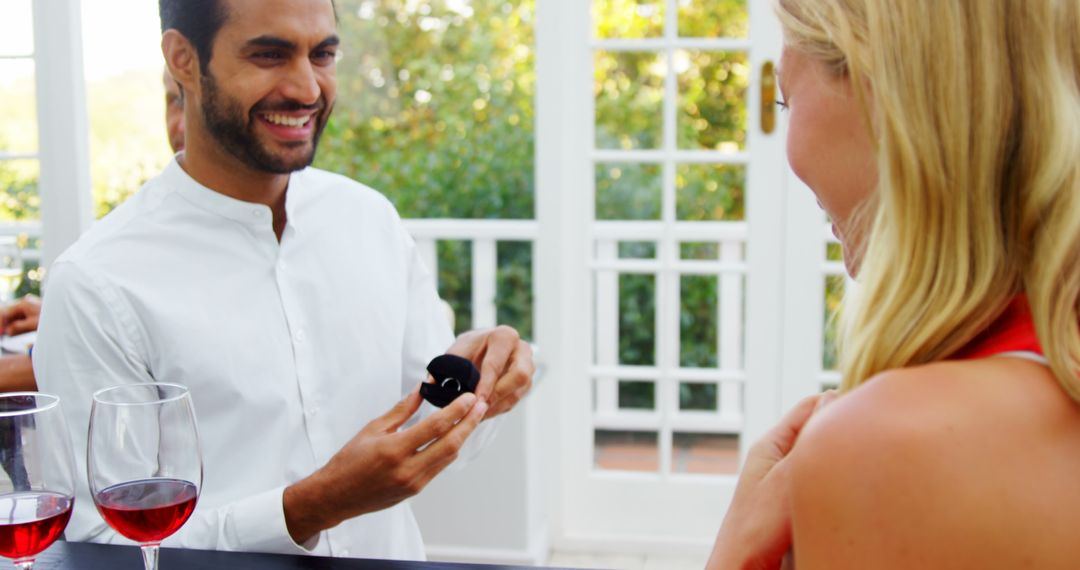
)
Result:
{"points": [[943, 464], [942, 401]]}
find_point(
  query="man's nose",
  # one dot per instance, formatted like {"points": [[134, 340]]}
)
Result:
{"points": [[301, 84]]}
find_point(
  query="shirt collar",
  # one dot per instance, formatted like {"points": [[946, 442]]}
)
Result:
{"points": [[247, 213]]}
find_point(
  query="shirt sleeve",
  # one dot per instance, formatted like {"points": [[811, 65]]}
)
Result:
{"points": [[427, 335], [427, 330], [89, 338]]}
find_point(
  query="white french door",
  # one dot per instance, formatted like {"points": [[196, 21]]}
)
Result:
{"points": [[686, 244]]}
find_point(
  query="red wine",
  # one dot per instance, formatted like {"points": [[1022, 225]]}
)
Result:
{"points": [[31, 521], [147, 510]]}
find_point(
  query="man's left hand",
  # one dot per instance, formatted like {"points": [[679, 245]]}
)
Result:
{"points": [[505, 363]]}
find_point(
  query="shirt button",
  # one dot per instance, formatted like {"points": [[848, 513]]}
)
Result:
{"points": [[282, 265], [344, 551], [256, 213], [312, 411], [300, 335]]}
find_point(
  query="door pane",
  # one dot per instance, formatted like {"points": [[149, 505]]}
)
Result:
{"points": [[712, 100], [637, 320], [628, 19], [637, 250], [699, 321], [626, 450], [637, 395], [700, 251], [713, 19], [629, 91], [705, 453], [628, 191], [710, 192], [701, 396]]}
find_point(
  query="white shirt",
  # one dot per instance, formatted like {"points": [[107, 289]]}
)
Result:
{"points": [[288, 349]]}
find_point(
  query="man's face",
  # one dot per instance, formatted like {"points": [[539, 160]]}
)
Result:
{"points": [[270, 85]]}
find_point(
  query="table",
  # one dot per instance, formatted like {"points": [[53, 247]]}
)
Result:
{"points": [[86, 556]]}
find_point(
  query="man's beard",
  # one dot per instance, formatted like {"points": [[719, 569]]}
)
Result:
{"points": [[224, 119]]}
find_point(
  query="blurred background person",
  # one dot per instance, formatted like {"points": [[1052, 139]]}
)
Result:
{"points": [[16, 371], [174, 112]]}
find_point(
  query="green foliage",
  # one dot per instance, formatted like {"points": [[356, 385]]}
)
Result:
{"points": [[637, 319], [628, 191], [435, 109], [712, 100], [637, 395], [628, 19], [699, 321], [435, 106], [834, 295], [706, 192], [128, 142], [19, 199]]}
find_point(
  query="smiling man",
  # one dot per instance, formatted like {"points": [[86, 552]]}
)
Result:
{"points": [[289, 300]]}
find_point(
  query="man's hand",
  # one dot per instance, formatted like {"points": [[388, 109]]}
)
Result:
{"points": [[381, 466], [505, 363], [20, 316]]}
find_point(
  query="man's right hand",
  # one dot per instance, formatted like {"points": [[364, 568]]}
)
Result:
{"points": [[381, 466]]}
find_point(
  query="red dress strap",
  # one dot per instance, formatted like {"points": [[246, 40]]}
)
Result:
{"points": [[1013, 331]]}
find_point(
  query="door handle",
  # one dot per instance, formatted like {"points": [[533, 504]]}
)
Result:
{"points": [[768, 97]]}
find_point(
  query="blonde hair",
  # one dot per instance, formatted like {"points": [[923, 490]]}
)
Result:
{"points": [[975, 107]]}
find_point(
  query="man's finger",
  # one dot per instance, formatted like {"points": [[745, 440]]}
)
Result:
{"points": [[518, 378], [400, 413], [444, 450], [502, 343], [439, 423]]}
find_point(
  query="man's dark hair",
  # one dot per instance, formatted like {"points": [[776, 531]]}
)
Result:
{"points": [[199, 22]]}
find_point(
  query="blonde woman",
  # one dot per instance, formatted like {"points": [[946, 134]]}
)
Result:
{"points": [[943, 139]]}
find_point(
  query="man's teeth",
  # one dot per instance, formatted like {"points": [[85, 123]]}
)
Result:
{"points": [[286, 120]]}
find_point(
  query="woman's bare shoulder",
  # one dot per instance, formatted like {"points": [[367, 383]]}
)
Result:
{"points": [[939, 465]]}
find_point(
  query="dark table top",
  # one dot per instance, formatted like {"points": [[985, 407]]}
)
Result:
{"points": [[84, 556]]}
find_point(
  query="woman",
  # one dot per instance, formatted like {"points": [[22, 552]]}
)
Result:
{"points": [[942, 137]]}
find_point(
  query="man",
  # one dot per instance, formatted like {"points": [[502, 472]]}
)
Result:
{"points": [[174, 112], [16, 372], [290, 300]]}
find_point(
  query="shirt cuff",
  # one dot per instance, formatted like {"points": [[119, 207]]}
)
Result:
{"points": [[259, 525]]}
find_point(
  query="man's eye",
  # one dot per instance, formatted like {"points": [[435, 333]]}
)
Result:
{"points": [[269, 55], [324, 56]]}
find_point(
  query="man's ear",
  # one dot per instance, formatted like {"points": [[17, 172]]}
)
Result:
{"points": [[181, 59]]}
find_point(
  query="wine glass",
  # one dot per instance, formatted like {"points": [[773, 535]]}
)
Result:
{"points": [[144, 462], [37, 486]]}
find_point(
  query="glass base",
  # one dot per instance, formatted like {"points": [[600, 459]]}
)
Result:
{"points": [[150, 554]]}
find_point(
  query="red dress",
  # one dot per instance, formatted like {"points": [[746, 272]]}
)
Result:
{"points": [[1013, 331]]}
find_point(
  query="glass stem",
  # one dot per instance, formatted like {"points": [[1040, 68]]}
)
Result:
{"points": [[150, 556]]}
